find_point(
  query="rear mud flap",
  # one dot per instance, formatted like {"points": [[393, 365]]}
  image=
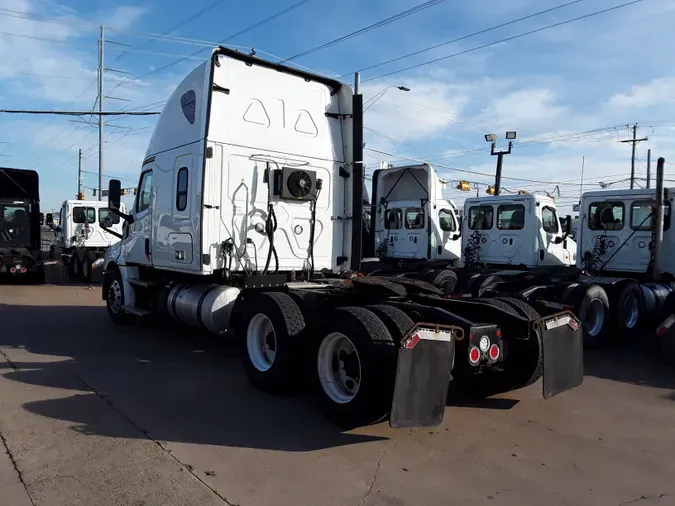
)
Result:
{"points": [[55, 273], [423, 374], [562, 340]]}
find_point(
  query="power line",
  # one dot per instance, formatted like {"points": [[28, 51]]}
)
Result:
{"points": [[79, 113], [51, 76], [34, 37], [464, 37], [373, 26], [506, 39], [174, 27], [237, 34]]}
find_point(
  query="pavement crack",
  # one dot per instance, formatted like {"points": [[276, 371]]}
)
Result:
{"points": [[373, 480], [188, 467], [643, 498], [9, 360], [15, 466]]}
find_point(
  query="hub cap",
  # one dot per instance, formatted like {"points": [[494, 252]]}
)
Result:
{"points": [[595, 317], [115, 296], [339, 368], [631, 311], [261, 342]]}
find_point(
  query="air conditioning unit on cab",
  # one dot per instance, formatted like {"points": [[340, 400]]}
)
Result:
{"points": [[293, 183]]}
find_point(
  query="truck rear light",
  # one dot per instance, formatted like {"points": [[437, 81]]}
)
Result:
{"points": [[494, 352], [484, 344], [474, 355], [23, 270], [12, 270]]}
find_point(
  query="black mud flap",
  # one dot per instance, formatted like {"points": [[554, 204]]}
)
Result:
{"points": [[562, 339], [423, 374], [55, 273]]}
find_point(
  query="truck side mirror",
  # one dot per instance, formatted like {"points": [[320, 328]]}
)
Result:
{"points": [[49, 219], [568, 225], [558, 240], [455, 237], [114, 194]]}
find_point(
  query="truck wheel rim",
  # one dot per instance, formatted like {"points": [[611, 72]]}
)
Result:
{"points": [[339, 368], [115, 296], [595, 317], [261, 342], [631, 311]]}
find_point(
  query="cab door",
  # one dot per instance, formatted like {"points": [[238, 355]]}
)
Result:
{"points": [[448, 244], [551, 247], [138, 246]]}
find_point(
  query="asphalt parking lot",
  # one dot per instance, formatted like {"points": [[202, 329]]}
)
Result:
{"points": [[92, 413]]}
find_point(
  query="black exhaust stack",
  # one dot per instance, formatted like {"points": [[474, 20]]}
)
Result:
{"points": [[357, 179], [658, 224]]}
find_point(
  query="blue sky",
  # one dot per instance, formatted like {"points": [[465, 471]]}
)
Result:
{"points": [[605, 71]]}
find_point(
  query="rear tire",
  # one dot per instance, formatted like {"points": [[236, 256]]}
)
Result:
{"points": [[273, 329], [591, 306], [355, 368], [397, 322], [629, 311], [522, 307], [445, 280]]}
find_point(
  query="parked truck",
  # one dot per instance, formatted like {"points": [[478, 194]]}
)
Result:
{"points": [[247, 223], [20, 222], [86, 229]]}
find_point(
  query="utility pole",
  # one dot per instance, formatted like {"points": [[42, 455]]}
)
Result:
{"points": [[634, 141], [581, 187], [100, 116], [79, 175], [649, 166]]}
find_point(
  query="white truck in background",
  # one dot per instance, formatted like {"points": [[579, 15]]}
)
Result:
{"points": [[411, 219], [86, 230]]}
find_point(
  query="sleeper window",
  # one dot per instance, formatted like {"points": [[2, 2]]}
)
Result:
{"points": [[182, 189]]}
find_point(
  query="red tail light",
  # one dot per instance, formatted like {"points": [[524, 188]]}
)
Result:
{"points": [[494, 352], [474, 355], [23, 270], [12, 270]]}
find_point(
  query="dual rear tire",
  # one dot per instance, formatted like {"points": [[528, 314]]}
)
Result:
{"points": [[351, 362]]}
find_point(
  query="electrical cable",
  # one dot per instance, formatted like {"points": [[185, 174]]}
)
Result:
{"points": [[506, 39], [237, 34], [373, 26], [464, 37]]}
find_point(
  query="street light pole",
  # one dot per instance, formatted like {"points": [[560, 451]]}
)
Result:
{"points": [[500, 161], [381, 94], [492, 138]]}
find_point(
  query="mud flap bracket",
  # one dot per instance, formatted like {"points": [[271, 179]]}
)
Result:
{"points": [[423, 374], [562, 340]]}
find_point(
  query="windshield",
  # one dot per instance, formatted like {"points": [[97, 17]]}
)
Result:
{"points": [[14, 224]]}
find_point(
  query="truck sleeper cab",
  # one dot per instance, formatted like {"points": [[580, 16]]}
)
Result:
{"points": [[247, 223]]}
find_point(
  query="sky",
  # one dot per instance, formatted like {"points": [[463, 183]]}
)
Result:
{"points": [[571, 92]]}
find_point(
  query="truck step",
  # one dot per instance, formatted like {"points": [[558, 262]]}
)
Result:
{"points": [[140, 282], [136, 311]]}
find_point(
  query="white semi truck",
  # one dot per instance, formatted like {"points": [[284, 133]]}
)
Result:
{"points": [[86, 229], [248, 223]]}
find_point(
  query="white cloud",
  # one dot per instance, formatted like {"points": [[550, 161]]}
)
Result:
{"points": [[657, 92]]}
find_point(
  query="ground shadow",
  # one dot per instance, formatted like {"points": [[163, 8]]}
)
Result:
{"points": [[627, 364], [168, 381]]}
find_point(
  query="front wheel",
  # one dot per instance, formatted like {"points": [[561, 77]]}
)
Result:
{"points": [[115, 300], [356, 368]]}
